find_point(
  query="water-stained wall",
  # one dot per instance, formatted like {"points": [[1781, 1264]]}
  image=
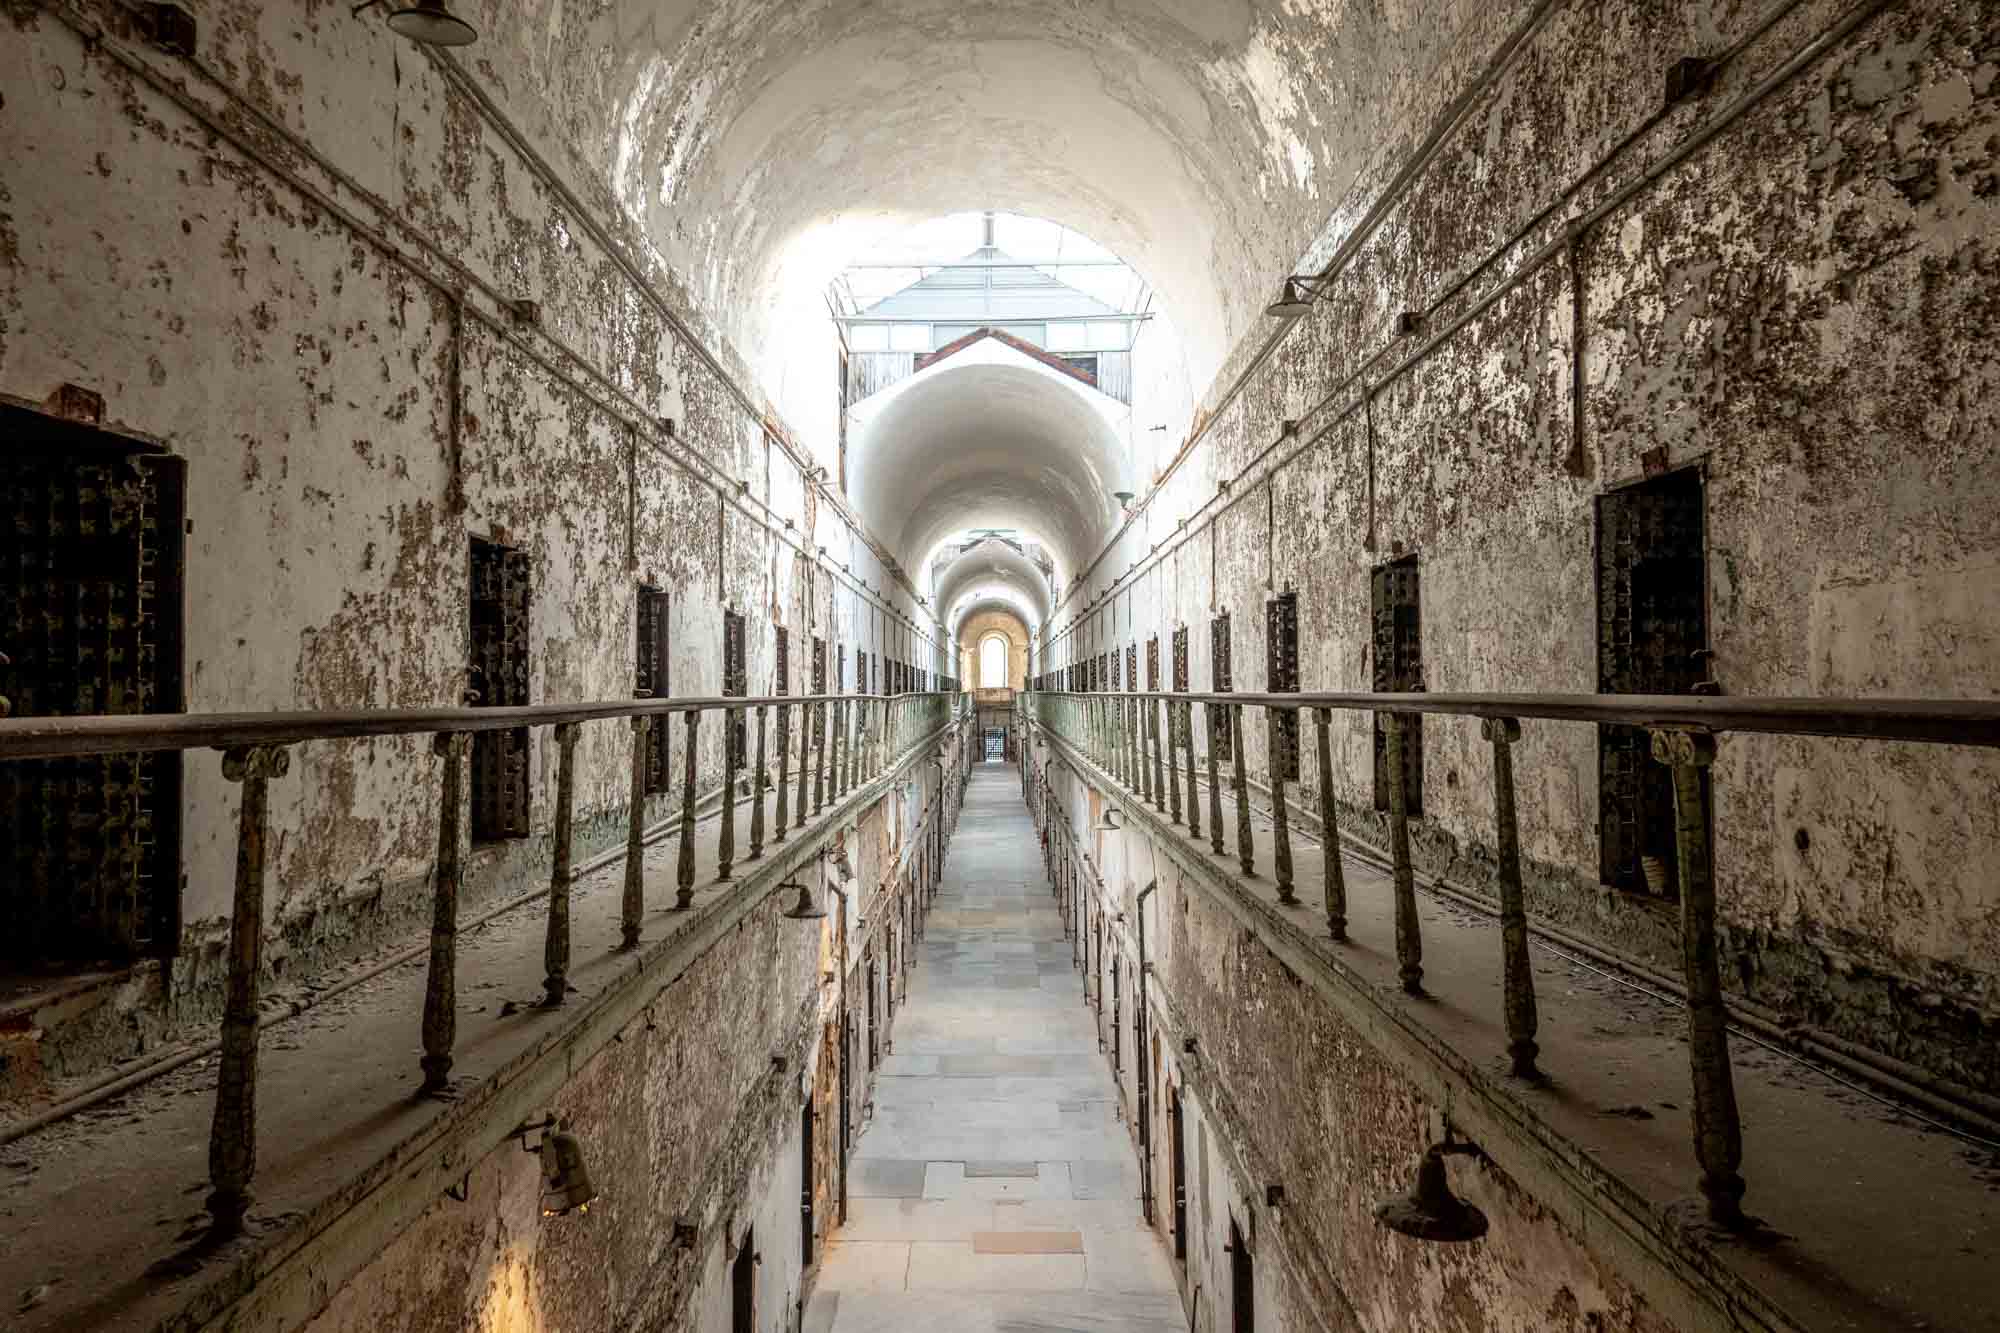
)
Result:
{"points": [[1784, 281]]}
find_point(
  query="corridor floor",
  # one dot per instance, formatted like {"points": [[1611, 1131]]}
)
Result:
{"points": [[994, 1187]]}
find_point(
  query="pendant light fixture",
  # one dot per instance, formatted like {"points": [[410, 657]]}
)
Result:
{"points": [[1430, 1211], [427, 21]]}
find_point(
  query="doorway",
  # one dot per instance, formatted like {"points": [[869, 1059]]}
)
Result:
{"points": [[1652, 625], [1177, 1152], [743, 1286], [1395, 598], [1242, 1282], [498, 673], [807, 1180], [91, 563]]}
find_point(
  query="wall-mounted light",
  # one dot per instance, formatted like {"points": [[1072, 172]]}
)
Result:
{"points": [[1107, 822], [1296, 300], [1430, 1211], [566, 1183], [427, 21]]}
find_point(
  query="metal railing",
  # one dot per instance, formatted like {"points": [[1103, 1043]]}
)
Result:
{"points": [[846, 740], [1145, 741]]}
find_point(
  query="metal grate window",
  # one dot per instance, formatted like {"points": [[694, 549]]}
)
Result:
{"points": [[90, 620], [499, 676], [652, 681], [1395, 601], [1281, 670]]}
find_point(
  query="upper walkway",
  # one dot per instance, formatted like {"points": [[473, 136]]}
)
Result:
{"points": [[994, 1187]]}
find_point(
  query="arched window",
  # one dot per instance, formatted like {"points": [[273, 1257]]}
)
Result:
{"points": [[993, 662]]}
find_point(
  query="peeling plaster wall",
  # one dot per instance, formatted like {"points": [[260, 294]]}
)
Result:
{"points": [[1801, 309], [975, 629], [290, 304]]}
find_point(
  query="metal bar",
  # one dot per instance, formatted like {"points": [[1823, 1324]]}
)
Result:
{"points": [[725, 847], [1193, 792], [1166, 726], [232, 1133], [633, 906], [1336, 875], [440, 1024], [1246, 844], [1409, 939], [1718, 1132], [1517, 974], [822, 725], [1159, 770], [562, 874], [1216, 719], [684, 871], [1281, 832]]}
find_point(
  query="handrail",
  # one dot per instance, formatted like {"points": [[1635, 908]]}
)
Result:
{"points": [[57, 737], [1143, 744], [1931, 721]]}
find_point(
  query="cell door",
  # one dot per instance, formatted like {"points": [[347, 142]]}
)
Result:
{"points": [[807, 1180], [499, 677], [735, 683], [652, 682], [1177, 1160], [1242, 1282], [1652, 626], [1281, 670], [1222, 681], [743, 1286], [1394, 595], [90, 622]]}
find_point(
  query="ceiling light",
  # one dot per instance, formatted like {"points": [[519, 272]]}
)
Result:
{"points": [[429, 22], [1295, 302], [1430, 1211]]}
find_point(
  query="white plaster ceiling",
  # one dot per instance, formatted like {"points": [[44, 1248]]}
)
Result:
{"points": [[992, 567], [989, 438]]}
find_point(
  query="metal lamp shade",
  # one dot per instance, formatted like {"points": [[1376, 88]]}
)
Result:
{"points": [[566, 1183], [429, 22], [806, 907], [1430, 1211]]}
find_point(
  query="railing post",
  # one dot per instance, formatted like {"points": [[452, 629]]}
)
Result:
{"points": [[1409, 938], [758, 786], [440, 1025], [1336, 875], [1246, 842], [562, 874], [1718, 1132], [1213, 715], [684, 871], [232, 1134], [634, 906], [784, 760], [1193, 791], [725, 844], [822, 726], [1153, 722], [1517, 973], [1281, 827], [1173, 765]]}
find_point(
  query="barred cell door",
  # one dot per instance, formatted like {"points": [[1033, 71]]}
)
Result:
{"points": [[90, 621], [1396, 600], [499, 671], [1652, 625]]}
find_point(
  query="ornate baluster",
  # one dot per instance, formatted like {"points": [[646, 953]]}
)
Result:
{"points": [[562, 874], [1336, 876], [684, 872], [1159, 771], [1246, 838], [1517, 975], [1718, 1132], [634, 906], [725, 845], [757, 789], [1409, 937], [440, 1027], [232, 1134], [1281, 830], [822, 725], [1193, 791], [1217, 718], [784, 760], [1173, 767]]}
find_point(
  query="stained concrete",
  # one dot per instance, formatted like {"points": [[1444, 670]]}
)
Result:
{"points": [[1028, 1211]]}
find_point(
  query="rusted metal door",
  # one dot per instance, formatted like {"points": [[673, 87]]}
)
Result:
{"points": [[1395, 596], [90, 619], [1652, 627], [735, 681], [1220, 736], [1281, 671], [499, 673]]}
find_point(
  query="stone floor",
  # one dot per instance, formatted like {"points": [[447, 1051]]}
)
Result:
{"points": [[994, 1188]]}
